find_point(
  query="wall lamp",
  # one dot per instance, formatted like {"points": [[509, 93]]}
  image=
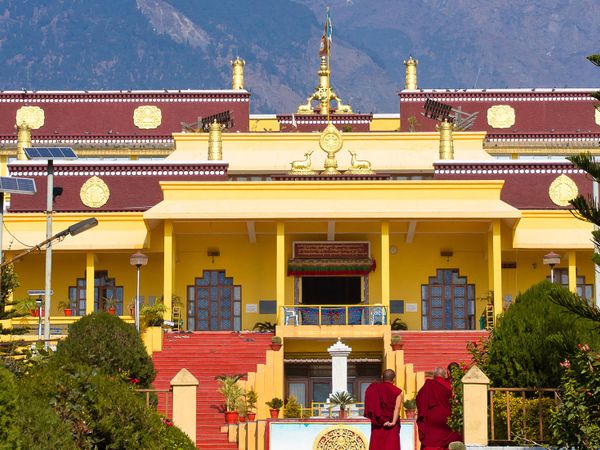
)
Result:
{"points": [[446, 254], [212, 252]]}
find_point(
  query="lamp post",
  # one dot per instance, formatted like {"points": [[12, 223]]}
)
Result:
{"points": [[138, 260], [551, 259]]}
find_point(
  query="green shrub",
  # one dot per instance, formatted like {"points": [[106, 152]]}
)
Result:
{"points": [[8, 409], [531, 340], [576, 423], [105, 342], [98, 410]]}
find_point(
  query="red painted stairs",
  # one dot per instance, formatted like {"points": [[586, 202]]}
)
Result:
{"points": [[206, 355], [430, 349]]}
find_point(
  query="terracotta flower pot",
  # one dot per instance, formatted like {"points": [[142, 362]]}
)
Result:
{"points": [[231, 417], [112, 311], [343, 414], [68, 312], [397, 346], [251, 416], [36, 312], [276, 347], [274, 413], [242, 419]]}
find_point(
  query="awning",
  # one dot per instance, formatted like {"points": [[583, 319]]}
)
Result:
{"points": [[305, 267], [552, 230], [113, 232]]}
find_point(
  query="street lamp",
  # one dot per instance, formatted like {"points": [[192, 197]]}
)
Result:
{"points": [[551, 259], [138, 260]]}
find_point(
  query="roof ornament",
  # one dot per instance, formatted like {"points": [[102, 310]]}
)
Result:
{"points": [[237, 75], [23, 140], [215, 141], [411, 74]]}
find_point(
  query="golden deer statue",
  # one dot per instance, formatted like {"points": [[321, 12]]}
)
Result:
{"points": [[302, 166], [359, 166]]}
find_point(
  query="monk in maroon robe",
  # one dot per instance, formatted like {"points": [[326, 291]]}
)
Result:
{"points": [[433, 406], [382, 406]]}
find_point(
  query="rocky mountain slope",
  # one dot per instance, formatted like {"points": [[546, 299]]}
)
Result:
{"points": [[188, 44]]}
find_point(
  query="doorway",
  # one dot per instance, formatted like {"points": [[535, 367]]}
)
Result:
{"points": [[334, 290]]}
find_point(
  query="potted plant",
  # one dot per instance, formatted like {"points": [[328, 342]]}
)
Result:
{"points": [[231, 393], [292, 409], [28, 305], [251, 399], [242, 408], [110, 305], [341, 399], [152, 315], [264, 327], [276, 343], [398, 324], [396, 342], [410, 406], [274, 405], [65, 307]]}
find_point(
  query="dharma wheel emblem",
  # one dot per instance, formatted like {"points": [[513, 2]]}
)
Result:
{"points": [[340, 437], [147, 117], [94, 193], [562, 190], [501, 116]]}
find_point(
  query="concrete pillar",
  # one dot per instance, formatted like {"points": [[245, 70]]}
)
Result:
{"points": [[475, 407], [495, 265], [185, 389], [339, 366], [90, 270], [280, 268], [168, 268], [385, 267], [572, 271]]}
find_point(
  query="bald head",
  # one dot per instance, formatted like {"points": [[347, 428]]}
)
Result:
{"points": [[439, 372], [388, 375]]}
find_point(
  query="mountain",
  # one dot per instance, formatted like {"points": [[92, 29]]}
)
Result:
{"points": [[188, 44]]}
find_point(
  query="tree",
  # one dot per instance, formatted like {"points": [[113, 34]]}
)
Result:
{"points": [[8, 349], [531, 340]]}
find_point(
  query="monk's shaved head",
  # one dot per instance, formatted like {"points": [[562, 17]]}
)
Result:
{"points": [[388, 375], [439, 372]]}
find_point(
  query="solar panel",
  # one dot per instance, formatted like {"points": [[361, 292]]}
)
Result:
{"points": [[50, 153], [17, 185]]}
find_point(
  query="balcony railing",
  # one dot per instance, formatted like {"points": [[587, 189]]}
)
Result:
{"points": [[334, 315], [321, 409]]}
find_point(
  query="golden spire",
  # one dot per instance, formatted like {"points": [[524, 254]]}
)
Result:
{"points": [[446, 143], [411, 74], [215, 143], [324, 90], [23, 140], [237, 76]]}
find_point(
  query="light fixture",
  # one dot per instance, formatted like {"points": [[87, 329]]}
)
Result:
{"points": [[446, 253], [212, 252], [138, 260], [551, 259]]}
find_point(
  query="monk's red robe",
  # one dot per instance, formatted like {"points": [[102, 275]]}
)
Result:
{"points": [[433, 406], [380, 401]]}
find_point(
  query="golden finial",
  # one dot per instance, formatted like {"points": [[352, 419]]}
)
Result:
{"points": [[237, 76], [331, 142], [215, 142], [446, 143], [411, 73], [23, 140]]}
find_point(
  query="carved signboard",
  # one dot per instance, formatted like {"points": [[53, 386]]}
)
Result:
{"points": [[331, 250]]}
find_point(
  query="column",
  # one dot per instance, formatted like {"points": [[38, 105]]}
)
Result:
{"points": [[475, 407], [280, 267], [90, 270], [495, 265], [572, 255], [168, 268], [385, 265], [339, 366], [185, 389]]}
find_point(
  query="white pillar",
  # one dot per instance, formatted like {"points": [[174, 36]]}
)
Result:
{"points": [[339, 366]]}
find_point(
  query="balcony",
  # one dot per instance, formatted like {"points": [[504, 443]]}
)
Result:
{"points": [[334, 315]]}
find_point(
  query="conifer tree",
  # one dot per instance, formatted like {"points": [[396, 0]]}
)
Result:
{"points": [[585, 208]]}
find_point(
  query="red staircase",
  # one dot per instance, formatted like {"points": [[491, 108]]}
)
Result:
{"points": [[206, 355], [430, 349]]}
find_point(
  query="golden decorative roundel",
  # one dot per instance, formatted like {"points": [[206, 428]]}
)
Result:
{"points": [[94, 193], [501, 116], [147, 117], [33, 116], [331, 139], [340, 437], [562, 189], [597, 114]]}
